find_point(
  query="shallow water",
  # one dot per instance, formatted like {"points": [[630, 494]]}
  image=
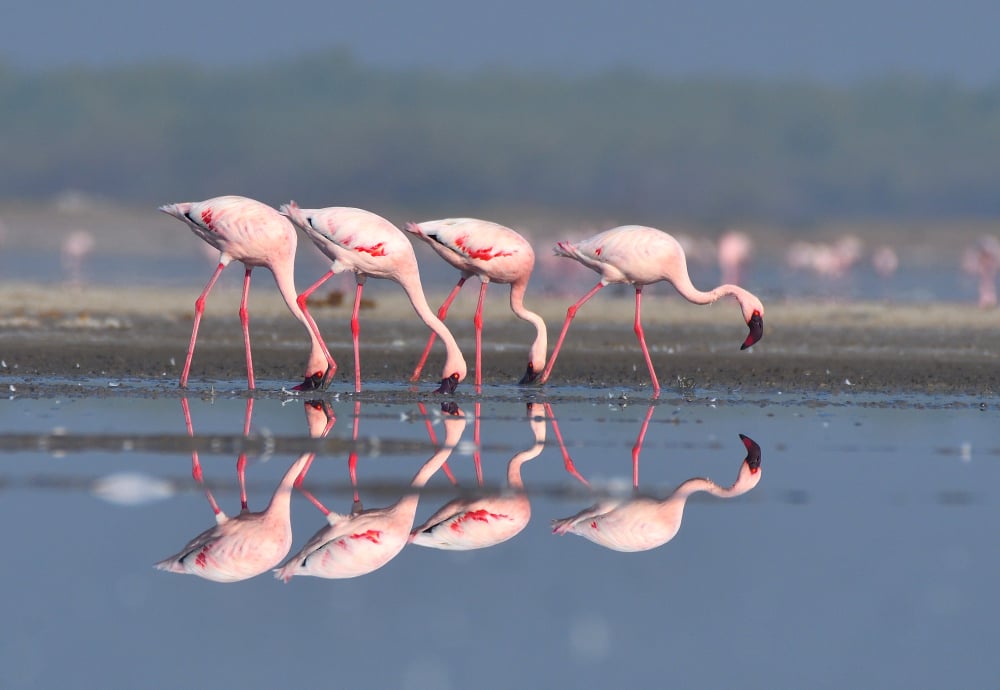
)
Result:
{"points": [[864, 557]]}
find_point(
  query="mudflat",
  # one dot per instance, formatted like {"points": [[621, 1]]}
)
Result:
{"points": [[69, 333]]}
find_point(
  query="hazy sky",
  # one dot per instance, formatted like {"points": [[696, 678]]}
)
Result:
{"points": [[838, 41]]}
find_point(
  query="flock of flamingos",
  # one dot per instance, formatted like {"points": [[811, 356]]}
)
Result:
{"points": [[251, 543], [362, 541], [368, 245]]}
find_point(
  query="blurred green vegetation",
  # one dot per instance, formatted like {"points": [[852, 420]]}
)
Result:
{"points": [[327, 130]]}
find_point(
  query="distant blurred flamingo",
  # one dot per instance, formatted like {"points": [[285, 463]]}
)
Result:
{"points": [[735, 250], [983, 261], [369, 245], [494, 253], [364, 541], [76, 247], [257, 235], [885, 261], [642, 523], [638, 255], [249, 544], [481, 522]]}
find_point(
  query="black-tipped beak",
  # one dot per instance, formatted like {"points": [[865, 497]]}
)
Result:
{"points": [[448, 385], [530, 376], [314, 382], [753, 453], [756, 324], [451, 408]]}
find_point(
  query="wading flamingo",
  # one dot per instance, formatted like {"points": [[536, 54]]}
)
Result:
{"points": [[494, 253], [256, 235], [481, 522], [238, 548], [642, 523], [638, 256], [364, 541], [369, 245]]}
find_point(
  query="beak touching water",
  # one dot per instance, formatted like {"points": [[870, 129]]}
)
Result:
{"points": [[530, 376], [756, 324], [318, 381], [448, 385]]}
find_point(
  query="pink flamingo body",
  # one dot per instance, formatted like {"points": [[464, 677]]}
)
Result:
{"points": [[370, 246], [364, 541], [244, 546], [638, 256], [478, 523], [643, 523], [256, 235], [494, 253]]}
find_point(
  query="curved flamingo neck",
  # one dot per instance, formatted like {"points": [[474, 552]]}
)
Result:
{"points": [[415, 293], [284, 277], [453, 433], [539, 348], [280, 503]]}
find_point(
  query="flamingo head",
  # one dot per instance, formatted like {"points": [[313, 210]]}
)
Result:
{"points": [[449, 384], [756, 324], [753, 453], [453, 373], [531, 374], [317, 381]]}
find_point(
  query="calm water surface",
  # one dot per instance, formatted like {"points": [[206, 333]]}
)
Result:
{"points": [[861, 554]]}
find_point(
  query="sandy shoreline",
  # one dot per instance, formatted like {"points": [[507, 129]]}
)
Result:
{"points": [[70, 333]]}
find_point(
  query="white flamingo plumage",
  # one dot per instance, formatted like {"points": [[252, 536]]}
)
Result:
{"points": [[370, 246], [256, 235], [481, 522], [494, 253], [364, 541], [643, 523], [638, 256]]}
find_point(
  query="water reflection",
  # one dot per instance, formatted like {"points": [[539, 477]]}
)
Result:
{"points": [[238, 548], [365, 540], [640, 523], [480, 522]]}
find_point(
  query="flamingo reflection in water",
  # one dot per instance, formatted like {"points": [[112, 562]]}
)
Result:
{"points": [[641, 523], [484, 521], [364, 541], [238, 548]]}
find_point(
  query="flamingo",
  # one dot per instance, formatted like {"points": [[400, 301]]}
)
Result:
{"points": [[638, 255], [256, 235], [238, 548], [642, 523], [494, 253], [369, 245], [478, 523], [735, 249], [364, 541]]}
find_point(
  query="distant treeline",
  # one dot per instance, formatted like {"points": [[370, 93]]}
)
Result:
{"points": [[329, 131]]}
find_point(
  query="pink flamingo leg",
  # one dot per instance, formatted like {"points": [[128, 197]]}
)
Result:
{"points": [[476, 455], [301, 300], [478, 323], [567, 460], [442, 313], [199, 309], [241, 462], [637, 448], [355, 332], [245, 322], [642, 341], [352, 460], [305, 468], [196, 463], [570, 313]]}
